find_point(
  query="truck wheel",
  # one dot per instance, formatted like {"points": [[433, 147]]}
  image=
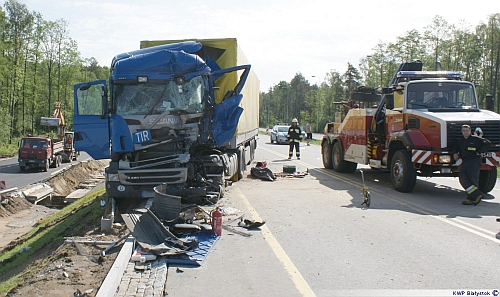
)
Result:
{"points": [[23, 168], [403, 175], [46, 167], [326, 150], [487, 180], [338, 162]]}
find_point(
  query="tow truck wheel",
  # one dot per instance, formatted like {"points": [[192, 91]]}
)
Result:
{"points": [[326, 150], [338, 162], [487, 180], [403, 175]]}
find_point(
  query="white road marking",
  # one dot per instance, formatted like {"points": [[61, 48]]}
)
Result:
{"points": [[298, 280], [471, 228]]}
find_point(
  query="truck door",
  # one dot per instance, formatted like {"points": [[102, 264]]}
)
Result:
{"points": [[91, 119], [227, 113]]}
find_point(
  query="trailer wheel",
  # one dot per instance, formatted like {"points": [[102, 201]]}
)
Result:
{"points": [[403, 175], [487, 180], [338, 162], [326, 150]]}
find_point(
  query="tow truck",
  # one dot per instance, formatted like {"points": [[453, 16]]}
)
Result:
{"points": [[410, 128]]}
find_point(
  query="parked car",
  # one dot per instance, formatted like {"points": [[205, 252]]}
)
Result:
{"points": [[279, 132]]}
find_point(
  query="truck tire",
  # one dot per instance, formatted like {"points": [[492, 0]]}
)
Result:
{"points": [[487, 180], [326, 150], [46, 167], [403, 175], [23, 168], [338, 162]]}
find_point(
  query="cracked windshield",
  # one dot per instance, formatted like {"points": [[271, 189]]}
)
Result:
{"points": [[151, 99], [439, 95]]}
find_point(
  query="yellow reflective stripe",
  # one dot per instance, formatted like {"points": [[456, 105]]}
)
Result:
{"points": [[471, 189]]}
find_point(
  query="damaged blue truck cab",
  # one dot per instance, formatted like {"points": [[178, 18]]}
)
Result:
{"points": [[171, 118]]}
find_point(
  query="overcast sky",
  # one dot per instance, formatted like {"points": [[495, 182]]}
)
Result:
{"points": [[279, 37]]}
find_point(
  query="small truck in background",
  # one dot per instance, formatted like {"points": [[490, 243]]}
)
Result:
{"points": [[40, 152]]}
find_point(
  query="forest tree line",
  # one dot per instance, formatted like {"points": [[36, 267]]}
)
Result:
{"points": [[39, 65], [473, 51]]}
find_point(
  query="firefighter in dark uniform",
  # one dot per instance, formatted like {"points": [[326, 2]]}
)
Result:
{"points": [[469, 149], [293, 136]]}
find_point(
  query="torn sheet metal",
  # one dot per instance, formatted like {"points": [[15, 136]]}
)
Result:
{"points": [[152, 236]]}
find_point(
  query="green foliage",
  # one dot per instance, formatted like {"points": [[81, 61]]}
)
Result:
{"points": [[39, 65], [473, 51]]}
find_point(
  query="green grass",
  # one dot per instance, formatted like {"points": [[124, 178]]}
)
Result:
{"points": [[48, 233], [8, 150]]}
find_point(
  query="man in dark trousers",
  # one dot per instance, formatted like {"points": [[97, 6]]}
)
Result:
{"points": [[294, 134], [469, 149]]}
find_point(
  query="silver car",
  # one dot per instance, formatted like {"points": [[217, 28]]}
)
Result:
{"points": [[279, 132]]}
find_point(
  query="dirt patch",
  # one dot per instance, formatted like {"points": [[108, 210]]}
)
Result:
{"points": [[67, 270], [62, 269], [19, 216], [63, 184], [77, 176]]}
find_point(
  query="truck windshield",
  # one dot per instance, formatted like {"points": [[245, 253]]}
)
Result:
{"points": [[445, 94], [155, 98]]}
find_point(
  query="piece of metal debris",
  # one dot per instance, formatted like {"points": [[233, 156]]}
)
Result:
{"points": [[250, 224], [234, 230]]}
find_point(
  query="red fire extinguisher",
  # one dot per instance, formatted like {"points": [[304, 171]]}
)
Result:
{"points": [[217, 222]]}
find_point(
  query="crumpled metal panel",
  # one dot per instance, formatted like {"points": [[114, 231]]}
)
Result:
{"points": [[152, 236]]}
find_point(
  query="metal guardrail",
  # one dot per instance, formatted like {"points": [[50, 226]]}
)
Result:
{"points": [[5, 198], [8, 190]]}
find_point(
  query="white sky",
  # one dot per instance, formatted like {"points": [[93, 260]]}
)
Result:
{"points": [[279, 37]]}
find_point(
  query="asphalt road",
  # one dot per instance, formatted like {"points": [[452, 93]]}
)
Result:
{"points": [[318, 241], [14, 177]]}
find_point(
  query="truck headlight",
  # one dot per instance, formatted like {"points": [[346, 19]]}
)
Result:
{"points": [[442, 159], [112, 177]]}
